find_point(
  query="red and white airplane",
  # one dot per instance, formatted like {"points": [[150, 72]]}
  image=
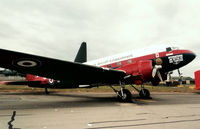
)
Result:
{"points": [[132, 67]]}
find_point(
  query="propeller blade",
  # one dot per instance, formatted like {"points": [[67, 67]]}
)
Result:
{"points": [[155, 69], [154, 72], [159, 75], [168, 77]]}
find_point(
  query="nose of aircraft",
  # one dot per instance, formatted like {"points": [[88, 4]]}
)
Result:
{"points": [[193, 56], [190, 56]]}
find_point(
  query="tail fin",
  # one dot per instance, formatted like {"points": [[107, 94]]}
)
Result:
{"points": [[81, 56]]}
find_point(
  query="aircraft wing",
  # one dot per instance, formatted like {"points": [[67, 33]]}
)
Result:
{"points": [[71, 72]]}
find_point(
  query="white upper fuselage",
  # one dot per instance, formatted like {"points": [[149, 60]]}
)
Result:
{"points": [[127, 55]]}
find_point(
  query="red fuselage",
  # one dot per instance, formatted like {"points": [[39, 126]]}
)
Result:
{"points": [[140, 68]]}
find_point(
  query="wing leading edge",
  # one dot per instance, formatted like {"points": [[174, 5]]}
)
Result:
{"points": [[72, 72]]}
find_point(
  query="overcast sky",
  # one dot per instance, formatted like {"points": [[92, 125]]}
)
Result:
{"points": [[56, 28]]}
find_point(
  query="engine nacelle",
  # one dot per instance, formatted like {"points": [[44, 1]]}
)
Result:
{"points": [[140, 70]]}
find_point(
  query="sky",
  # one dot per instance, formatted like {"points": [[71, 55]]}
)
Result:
{"points": [[56, 28]]}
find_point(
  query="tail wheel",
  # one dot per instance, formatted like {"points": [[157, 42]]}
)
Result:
{"points": [[144, 93], [127, 96]]}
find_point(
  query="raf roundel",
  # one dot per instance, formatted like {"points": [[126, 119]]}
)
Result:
{"points": [[51, 81], [26, 63]]}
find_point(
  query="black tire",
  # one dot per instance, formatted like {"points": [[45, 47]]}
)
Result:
{"points": [[144, 94], [127, 96]]}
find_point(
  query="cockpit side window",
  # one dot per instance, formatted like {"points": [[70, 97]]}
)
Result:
{"points": [[168, 49], [119, 63], [129, 61], [108, 66]]}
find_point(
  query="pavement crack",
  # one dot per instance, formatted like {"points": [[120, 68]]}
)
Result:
{"points": [[10, 126]]}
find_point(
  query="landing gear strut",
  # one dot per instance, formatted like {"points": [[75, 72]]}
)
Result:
{"points": [[123, 95], [143, 93]]}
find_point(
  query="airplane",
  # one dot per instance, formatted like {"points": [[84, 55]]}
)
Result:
{"points": [[152, 64]]}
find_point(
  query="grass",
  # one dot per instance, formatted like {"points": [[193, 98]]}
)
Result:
{"points": [[184, 89]]}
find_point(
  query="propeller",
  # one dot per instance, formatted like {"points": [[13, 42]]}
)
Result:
{"points": [[156, 69], [157, 72]]}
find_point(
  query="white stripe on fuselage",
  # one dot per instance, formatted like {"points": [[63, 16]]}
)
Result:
{"points": [[127, 55]]}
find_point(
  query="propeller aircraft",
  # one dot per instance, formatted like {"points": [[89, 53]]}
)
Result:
{"points": [[129, 68]]}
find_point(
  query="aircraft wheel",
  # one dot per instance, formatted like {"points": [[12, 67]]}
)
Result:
{"points": [[127, 96], [144, 93]]}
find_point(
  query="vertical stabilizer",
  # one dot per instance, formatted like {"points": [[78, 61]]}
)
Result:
{"points": [[81, 56]]}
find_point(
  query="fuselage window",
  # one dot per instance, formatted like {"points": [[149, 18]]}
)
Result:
{"points": [[119, 64], [129, 61], [109, 66]]}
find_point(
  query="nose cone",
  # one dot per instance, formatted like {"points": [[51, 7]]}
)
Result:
{"points": [[190, 56]]}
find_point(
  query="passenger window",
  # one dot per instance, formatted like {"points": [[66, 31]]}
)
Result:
{"points": [[119, 64], [109, 66], [129, 61]]}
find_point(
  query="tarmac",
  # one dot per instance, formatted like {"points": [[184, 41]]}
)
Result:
{"points": [[98, 111]]}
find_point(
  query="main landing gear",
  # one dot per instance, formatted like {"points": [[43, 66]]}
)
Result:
{"points": [[125, 95], [143, 93]]}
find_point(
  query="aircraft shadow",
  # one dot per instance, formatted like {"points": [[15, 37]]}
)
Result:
{"points": [[71, 101], [90, 100]]}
